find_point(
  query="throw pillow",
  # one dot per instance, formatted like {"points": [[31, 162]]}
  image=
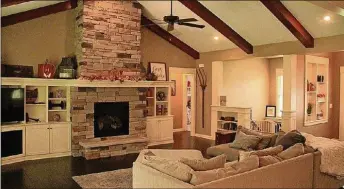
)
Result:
{"points": [[229, 164], [200, 177], [268, 160], [244, 141], [149, 153], [291, 138], [247, 164], [173, 168], [294, 151], [268, 151], [264, 142], [205, 164]]}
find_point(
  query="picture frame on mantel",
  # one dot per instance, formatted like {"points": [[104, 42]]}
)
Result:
{"points": [[159, 69], [270, 111]]}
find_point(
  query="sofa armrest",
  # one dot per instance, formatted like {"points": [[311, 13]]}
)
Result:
{"points": [[322, 180], [147, 177]]}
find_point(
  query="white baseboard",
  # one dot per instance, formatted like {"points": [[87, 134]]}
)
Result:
{"points": [[204, 136], [179, 130]]}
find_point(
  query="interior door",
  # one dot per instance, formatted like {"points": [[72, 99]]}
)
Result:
{"points": [[60, 138], [341, 112], [37, 140]]}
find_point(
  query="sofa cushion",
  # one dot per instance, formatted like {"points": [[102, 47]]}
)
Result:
{"points": [[244, 141], [200, 177], [268, 151], [264, 142], [294, 151], [173, 168], [247, 164], [231, 153], [205, 164], [229, 164], [290, 138], [268, 160]]}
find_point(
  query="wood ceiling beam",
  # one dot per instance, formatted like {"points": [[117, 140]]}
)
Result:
{"points": [[36, 13], [336, 7], [169, 37], [289, 21], [218, 24], [6, 3]]}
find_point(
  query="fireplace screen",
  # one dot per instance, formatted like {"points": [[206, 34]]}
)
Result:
{"points": [[111, 119]]}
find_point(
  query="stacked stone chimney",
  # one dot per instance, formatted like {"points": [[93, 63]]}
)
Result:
{"points": [[107, 36]]}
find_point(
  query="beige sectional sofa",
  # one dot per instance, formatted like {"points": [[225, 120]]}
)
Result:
{"points": [[292, 173]]}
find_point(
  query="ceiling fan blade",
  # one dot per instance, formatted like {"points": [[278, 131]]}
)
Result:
{"points": [[187, 20], [192, 25]]}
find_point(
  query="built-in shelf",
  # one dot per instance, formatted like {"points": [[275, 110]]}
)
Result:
{"points": [[35, 104], [223, 121], [57, 110], [315, 68], [57, 98], [149, 97], [161, 101]]}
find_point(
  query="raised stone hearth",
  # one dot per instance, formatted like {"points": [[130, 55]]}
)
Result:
{"points": [[82, 114]]}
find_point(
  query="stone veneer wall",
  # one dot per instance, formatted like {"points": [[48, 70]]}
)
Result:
{"points": [[82, 111], [107, 36]]}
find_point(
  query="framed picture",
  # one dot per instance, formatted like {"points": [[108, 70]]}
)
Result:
{"points": [[159, 69], [173, 88], [270, 111]]}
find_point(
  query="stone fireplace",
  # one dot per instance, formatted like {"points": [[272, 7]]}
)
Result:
{"points": [[107, 37], [86, 101], [111, 119]]}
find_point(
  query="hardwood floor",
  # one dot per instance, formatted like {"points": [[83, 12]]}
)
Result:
{"points": [[58, 172]]}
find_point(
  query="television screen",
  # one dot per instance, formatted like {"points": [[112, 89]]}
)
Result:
{"points": [[12, 104]]}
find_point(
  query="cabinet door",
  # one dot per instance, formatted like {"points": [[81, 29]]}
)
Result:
{"points": [[60, 138], [166, 129], [37, 140], [152, 130]]}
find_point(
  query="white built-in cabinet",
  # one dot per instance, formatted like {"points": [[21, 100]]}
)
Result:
{"points": [[48, 139], [160, 130], [159, 119]]}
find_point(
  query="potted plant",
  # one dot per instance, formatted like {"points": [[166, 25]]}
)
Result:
{"points": [[309, 109]]}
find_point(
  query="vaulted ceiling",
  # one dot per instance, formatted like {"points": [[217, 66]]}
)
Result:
{"points": [[252, 20]]}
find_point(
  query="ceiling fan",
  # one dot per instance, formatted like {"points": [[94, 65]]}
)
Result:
{"points": [[171, 20]]}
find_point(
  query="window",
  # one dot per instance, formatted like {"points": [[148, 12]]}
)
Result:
{"points": [[279, 92]]}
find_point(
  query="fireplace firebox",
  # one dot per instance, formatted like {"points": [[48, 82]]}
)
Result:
{"points": [[111, 119]]}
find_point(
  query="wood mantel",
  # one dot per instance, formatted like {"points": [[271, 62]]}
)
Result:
{"points": [[81, 83]]}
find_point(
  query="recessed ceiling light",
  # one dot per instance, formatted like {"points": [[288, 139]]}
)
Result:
{"points": [[327, 18], [216, 38]]}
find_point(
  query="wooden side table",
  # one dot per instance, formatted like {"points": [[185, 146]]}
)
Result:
{"points": [[224, 137]]}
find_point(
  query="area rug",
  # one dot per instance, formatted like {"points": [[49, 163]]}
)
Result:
{"points": [[112, 179]]}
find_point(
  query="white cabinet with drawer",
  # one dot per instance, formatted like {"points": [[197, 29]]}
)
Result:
{"points": [[160, 130]]}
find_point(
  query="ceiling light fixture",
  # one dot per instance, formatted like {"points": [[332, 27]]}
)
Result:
{"points": [[327, 18], [216, 38]]}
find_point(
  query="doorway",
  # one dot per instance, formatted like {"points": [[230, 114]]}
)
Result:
{"points": [[341, 112], [183, 98]]}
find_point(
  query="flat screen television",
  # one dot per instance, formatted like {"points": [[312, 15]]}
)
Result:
{"points": [[12, 105]]}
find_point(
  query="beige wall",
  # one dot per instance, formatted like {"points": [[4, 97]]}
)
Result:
{"points": [[326, 129], [177, 101], [337, 62], [246, 84], [156, 49], [328, 44], [274, 64], [32, 42]]}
